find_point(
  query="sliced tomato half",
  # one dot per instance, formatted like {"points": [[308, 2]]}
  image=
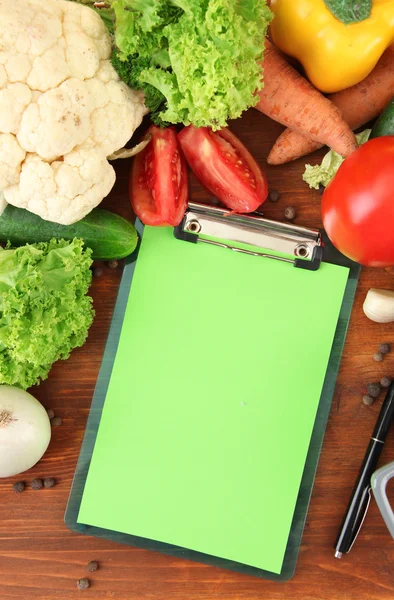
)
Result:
{"points": [[225, 167], [158, 182]]}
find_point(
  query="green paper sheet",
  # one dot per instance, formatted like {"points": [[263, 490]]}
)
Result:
{"points": [[212, 399]]}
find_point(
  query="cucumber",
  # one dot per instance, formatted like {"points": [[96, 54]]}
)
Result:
{"points": [[108, 235], [385, 123]]}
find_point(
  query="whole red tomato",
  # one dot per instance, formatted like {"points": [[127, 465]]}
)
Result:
{"points": [[358, 204]]}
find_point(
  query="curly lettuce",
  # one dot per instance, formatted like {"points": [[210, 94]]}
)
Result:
{"points": [[322, 174], [204, 58], [44, 310]]}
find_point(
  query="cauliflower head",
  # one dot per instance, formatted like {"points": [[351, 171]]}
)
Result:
{"points": [[63, 108]]}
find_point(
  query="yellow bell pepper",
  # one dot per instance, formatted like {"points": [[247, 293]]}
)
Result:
{"points": [[335, 56]]}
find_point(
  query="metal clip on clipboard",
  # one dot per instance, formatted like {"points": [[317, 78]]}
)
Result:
{"points": [[291, 240]]}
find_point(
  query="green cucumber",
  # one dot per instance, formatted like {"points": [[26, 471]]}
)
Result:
{"points": [[385, 123], [110, 236]]}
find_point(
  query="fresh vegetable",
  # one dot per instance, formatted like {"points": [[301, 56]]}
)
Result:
{"points": [[158, 182], [357, 204], [44, 310], [108, 235], [358, 105], [25, 431], [385, 124], [203, 58], [225, 167], [63, 108], [322, 174], [379, 305], [130, 70], [335, 56], [291, 100], [105, 12]]}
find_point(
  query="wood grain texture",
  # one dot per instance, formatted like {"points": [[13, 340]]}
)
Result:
{"points": [[41, 559]]}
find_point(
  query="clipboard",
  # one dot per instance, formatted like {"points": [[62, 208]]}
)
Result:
{"points": [[219, 437]]}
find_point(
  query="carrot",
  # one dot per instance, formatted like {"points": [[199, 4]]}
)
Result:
{"points": [[290, 99], [358, 104]]}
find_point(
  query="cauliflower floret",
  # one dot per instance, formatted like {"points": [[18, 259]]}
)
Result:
{"points": [[49, 69], [63, 108], [107, 73], [116, 115], [58, 121], [3, 77], [28, 28], [63, 190], [13, 101], [11, 157]]}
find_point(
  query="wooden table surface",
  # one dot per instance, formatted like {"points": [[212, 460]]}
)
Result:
{"points": [[41, 559]]}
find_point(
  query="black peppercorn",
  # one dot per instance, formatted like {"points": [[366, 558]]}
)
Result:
{"points": [[83, 584], [93, 566], [36, 484], [290, 213], [368, 400], [113, 264], [374, 389], [56, 421], [273, 195], [18, 487], [378, 356], [49, 482], [97, 272], [385, 382], [384, 348], [50, 413]]}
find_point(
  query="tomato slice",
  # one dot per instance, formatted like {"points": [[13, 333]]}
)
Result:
{"points": [[225, 167], [158, 182]]}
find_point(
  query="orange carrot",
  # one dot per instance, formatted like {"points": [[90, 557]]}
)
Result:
{"points": [[290, 99], [358, 104]]}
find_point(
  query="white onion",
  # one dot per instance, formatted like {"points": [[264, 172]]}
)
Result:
{"points": [[25, 431]]}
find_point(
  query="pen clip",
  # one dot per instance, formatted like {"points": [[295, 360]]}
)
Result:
{"points": [[363, 518]]}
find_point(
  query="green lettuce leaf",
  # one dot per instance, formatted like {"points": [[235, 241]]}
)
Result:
{"points": [[44, 310], [204, 57], [322, 174]]}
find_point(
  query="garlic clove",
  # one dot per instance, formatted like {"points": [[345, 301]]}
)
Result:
{"points": [[379, 305]]}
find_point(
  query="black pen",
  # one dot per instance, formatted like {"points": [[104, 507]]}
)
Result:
{"points": [[359, 501]]}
